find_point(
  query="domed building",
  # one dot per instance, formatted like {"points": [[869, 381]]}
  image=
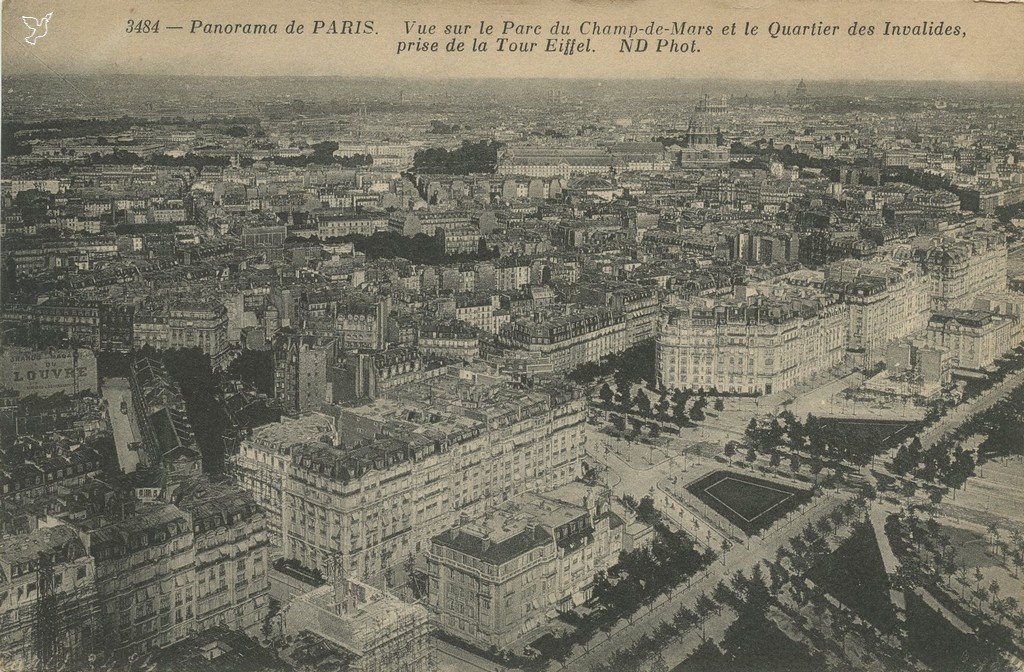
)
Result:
{"points": [[702, 149]]}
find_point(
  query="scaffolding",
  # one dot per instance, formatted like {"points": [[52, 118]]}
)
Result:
{"points": [[47, 630]]}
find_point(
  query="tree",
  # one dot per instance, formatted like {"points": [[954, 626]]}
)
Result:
{"points": [[705, 606], [643, 403], [722, 594], [993, 530], [471, 157], [719, 404], [776, 458], [619, 422], [994, 588], [775, 433], [662, 407], [679, 412], [256, 368], [637, 424], [697, 410], [751, 454], [1011, 604], [602, 587], [730, 448], [794, 463], [909, 489], [684, 618], [606, 394], [797, 433], [901, 463], [200, 387], [962, 579], [654, 429], [753, 432], [624, 398], [645, 511]]}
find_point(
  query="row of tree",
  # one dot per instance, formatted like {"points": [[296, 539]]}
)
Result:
{"points": [[672, 408], [945, 462], [819, 438]]}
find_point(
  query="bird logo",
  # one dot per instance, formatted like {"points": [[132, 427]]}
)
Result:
{"points": [[37, 26]]}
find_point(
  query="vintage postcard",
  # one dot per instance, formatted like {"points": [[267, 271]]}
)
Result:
{"points": [[495, 335]]}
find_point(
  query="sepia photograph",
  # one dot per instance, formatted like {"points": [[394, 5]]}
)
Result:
{"points": [[512, 336]]}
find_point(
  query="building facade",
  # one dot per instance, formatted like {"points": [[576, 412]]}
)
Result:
{"points": [[496, 578], [749, 346], [410, 465]]}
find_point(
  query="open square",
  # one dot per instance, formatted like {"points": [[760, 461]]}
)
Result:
{"points": [[747, 502]]}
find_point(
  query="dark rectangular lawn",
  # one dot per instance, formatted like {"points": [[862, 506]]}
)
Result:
{"points": [[747, 502]]}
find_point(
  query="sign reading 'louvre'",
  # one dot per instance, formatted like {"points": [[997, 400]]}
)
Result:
{"points": [[48, 372]]}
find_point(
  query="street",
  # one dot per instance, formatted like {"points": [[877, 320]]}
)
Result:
{"points": [[124, 424]]}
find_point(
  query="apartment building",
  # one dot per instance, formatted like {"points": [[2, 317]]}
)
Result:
{"points": [[180, 324], [563, 341], [461, 240], [374, 373], [302, 370], [959, 269], [974, 339], [395, 154], [411, 463], [640, 305], [360, 324], [122, 583], [145, 579], [231, 539], [336, 224], [481, 311], [749, 344], [428, 222], [261, 463], [495, 578], [451, 340], [512, 275], [886, 302], [553, 161]]}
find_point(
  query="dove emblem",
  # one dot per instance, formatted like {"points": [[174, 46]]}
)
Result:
{"points": [[37, 26]]}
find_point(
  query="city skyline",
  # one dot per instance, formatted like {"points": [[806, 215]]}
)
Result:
{"points": [[359, 361]]}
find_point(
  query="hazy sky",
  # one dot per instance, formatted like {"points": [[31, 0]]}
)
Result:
{"points": [[88, 36]]}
